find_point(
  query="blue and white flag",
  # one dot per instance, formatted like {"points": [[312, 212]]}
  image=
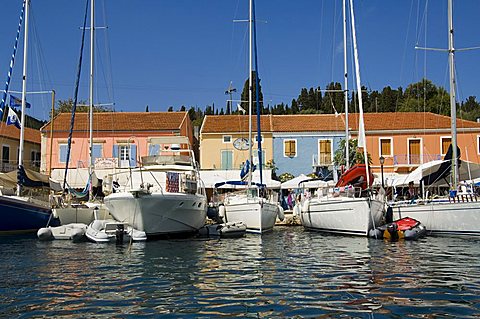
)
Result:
{"points": [[12, 118], [16, 102]]}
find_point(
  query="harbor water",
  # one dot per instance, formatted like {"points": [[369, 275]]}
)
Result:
{"points": [[288, 273]]}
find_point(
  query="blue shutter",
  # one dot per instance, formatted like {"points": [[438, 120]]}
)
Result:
{"points": [[133, 155], [153, 149], [115, 151], [227, 160], [96, 152], [63, 153]]}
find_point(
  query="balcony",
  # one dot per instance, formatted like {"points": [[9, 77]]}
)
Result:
{"points": [[322, 161], [8, 166], [413, 161]]}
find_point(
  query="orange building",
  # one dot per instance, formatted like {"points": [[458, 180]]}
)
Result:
{"points": [[120, 139]]}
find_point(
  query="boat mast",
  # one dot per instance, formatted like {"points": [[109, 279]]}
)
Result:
{"points": [[250, 91], [257, 97], [24, 95], [345, 89], [453, 106], [90, 150], [361, 126]]}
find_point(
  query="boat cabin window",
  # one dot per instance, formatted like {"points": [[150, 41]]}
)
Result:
{"points": [[290, 148]]}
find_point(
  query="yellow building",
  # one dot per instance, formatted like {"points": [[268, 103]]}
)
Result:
{"points": [[224, 141], [10, 144]]}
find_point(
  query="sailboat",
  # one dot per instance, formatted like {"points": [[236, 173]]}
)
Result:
{"points": [[19, 213], [74, 218], [85, 213], [445, 216], [253, 206], [346, 211]]}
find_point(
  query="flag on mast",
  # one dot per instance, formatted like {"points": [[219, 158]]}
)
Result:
{"points": [[12, 118]]}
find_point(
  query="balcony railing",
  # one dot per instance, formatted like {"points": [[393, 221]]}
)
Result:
{"points": [[414, 160], [324, 160], [8, 166]]}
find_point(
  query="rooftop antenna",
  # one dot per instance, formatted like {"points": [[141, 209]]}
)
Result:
{"points": [[230, 90]]}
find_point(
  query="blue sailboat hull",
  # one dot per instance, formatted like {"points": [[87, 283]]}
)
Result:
{"points": [[20, 216]]}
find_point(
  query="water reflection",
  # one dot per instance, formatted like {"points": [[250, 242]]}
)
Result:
{"points": [[286, 273]]}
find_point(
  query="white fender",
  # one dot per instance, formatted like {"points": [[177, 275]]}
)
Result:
{"points": [[305, 206], [280, 213], [221, 211], [297, 210]]}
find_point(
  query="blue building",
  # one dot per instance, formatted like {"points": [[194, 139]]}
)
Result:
{"points": [[304, 144]]}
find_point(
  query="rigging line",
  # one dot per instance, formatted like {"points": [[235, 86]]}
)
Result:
{"points": [[111, 89], [334, 20], [72, 120], [12, 62]]}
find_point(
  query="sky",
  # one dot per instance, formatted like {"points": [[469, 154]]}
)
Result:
{"points": [[186, 52]]}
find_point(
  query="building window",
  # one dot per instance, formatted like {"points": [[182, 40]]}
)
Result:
{"points": [[227, 160], [126, 154], [227, 139], [325, 152], [414, 152], [97, 151], [256, 159], [35, 159], [256, 138], [385, 144], [5, 154], [445, 142], [63, 153], [290, 148]]}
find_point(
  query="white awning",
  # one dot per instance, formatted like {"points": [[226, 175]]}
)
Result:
{"points": [[293, 183], [211, 177]]}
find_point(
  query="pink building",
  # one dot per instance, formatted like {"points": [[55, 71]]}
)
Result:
{"points": [[119, 139]]}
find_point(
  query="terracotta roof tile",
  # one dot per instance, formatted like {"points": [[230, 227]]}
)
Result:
{"points": [[10, 131], [233, 123], [330, 122], [119, 121]]}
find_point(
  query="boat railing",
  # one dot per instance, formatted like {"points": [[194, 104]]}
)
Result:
{"points": [[335, 192], [169, 159]]}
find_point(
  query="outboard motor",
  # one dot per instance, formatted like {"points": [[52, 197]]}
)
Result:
{"points": [[213, 214], [392, 229], [119, 233]]}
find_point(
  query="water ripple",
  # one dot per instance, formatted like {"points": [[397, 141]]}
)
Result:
{"points": [[287, 273]]}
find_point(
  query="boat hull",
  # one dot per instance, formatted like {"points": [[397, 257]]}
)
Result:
{"points": [[443, 217], [20, 216], [342, 215], [159, 214], [259, 215]]}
